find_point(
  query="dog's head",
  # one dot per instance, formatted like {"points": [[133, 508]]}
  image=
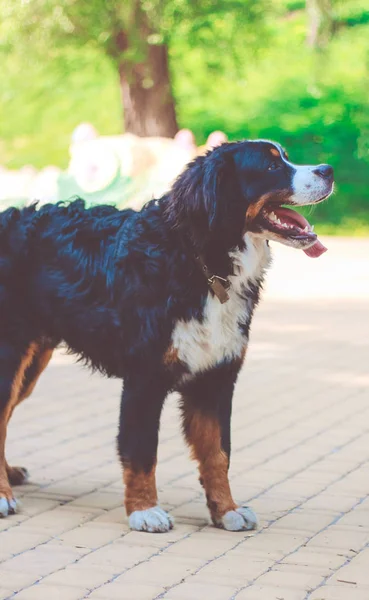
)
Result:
{"points": [[241, 187]]}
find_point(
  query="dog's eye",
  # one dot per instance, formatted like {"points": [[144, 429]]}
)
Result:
{"points": [[274, 166]]}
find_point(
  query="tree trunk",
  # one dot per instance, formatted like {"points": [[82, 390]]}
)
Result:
{"points": [[147, 98], [321, 22]]}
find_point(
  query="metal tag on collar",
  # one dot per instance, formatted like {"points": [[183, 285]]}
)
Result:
{"points": [[219, 285]]}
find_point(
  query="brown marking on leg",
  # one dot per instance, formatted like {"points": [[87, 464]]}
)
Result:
{"points": [[171, 357], [173, 363], [5, 489], [40, 362], [26, 361], [140, 489], [40, 358], [203, 435]]}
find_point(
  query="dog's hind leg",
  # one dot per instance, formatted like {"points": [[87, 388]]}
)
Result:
{"points": [[41, 358], [13, 364], [40, 361], [206, 408], [141, 406]]}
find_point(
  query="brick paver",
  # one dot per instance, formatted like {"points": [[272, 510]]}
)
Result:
{"points": [[300, 458]]}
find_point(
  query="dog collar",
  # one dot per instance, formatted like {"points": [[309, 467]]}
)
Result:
{"points": [[218, 285]]}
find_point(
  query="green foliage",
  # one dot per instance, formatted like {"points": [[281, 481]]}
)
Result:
{"points": [[101, 23], [315, 103], [41, 104]]}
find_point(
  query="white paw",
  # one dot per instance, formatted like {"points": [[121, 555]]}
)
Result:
{"points": [[8, 507], [241, 519], [154, 520]]}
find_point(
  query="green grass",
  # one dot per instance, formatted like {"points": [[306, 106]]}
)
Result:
{"points": [[315, 103]]}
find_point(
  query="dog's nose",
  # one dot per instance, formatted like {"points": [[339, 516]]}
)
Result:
{"points": [[324, 171]]}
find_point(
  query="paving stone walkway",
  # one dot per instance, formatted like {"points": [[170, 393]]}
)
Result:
{"points": [[300, 459]]}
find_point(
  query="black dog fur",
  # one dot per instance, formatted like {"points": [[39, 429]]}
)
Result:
{"points": [[113, 284]]}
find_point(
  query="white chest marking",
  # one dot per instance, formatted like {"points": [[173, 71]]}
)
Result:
{"points": [[202, 345]]}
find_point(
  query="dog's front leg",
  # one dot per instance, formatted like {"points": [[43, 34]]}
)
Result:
{"points": [[142, 402], [207, 407]]}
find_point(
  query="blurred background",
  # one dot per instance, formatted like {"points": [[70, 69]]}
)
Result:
{"points": [[109, 99]]}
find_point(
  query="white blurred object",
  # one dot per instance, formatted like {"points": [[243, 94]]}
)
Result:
{"points": [[84, 132], [152, 163], [134, 156], [186, 140], [93, 165], [168, 159], [15, 185], [44, 187], [216, 138]]}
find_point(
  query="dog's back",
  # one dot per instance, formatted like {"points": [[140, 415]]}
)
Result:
{"points": [[30, 236], [54, 267]]}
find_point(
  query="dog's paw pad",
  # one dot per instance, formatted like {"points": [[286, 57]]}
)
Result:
{"points": [[153, 520], [18, 475], [240, 519], [8, 506]]}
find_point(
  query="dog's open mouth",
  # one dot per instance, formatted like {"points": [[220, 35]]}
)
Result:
{"points": [[292, 226]]}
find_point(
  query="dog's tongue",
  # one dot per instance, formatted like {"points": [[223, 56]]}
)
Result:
{"points": [[316, 250], [292, 217]]}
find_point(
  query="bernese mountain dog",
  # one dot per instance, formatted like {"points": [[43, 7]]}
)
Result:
{"points": [[161, 298]]}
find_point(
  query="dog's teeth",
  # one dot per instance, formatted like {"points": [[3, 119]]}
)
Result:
{"points": [[272, 216], [312, 228]]}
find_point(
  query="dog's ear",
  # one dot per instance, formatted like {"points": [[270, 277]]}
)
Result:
{"points": [[220, 188], [205, 197], [225, 201]]}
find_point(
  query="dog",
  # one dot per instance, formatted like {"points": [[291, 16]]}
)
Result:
{"points": [[162, 298]]}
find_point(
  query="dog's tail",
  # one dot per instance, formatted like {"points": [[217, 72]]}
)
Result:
{"points": [[15, 228]]}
